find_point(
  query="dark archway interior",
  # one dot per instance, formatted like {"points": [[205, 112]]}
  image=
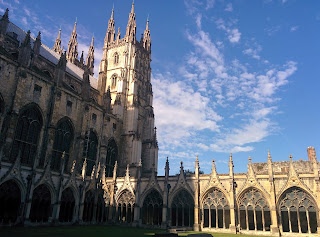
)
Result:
{"points": [[10, 199], [41, 207], [66, 206]]}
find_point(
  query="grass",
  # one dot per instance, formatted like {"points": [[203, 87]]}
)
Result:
{"points": [[91, 231]]}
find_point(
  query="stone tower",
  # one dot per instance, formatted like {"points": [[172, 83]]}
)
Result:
{"points": [[125, 70]]}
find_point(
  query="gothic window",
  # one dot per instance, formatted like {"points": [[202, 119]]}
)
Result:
{"points": [[182, 209], [125, 207], [116, 58], [10, 199], [90, 151], [88, 206], [62, 143], [66, 206], [112, 154], [41, 208], [254, 211], [26, 136], [113, 81], [215, 210], [297, 211], [152, 209]]}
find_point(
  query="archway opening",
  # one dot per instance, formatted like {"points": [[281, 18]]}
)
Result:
{"points": [[10, 201], [88, 206], [41, 207], [152, 209], [66, 206], [182, 211]]}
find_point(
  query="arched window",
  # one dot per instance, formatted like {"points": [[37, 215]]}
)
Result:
{"points": [[41, 208], [116, 58], [66, 206], [112, 154], [182, 209], [152, 209], [298, 211], [90, 151], [113, 81], [126, 207], [216, 210], [26, 136], [254, 211], [10, 199], [62, 143]]}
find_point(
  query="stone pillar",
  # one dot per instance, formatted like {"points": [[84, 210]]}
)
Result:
{"points": [[273, 210], [166, 188], [233, 214], [137, 217], [196, 226]]}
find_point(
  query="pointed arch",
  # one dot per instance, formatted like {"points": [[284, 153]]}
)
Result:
{"points": [[116, 58], [41, 205], [67, 205], [10, 201], [254, 210], [215, 209], [88, 206], [27, 134], [114, 79], [125, 206], [152, 208], [298, 211], [62, 143], [90, 150], [111, 157], [182, 208]]}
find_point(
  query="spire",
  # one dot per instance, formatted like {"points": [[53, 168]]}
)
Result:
{"points": [[6, 15], [167, 168], [37, 44], [81, 58], [57, 45], [4, 22], [110, 31], [27, 42], [131, 27], [230, 165], [269, 156], [90, 57], [147, 38], [72, 52]]}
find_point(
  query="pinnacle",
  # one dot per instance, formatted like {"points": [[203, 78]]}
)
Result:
{"points": [[132, 8]]}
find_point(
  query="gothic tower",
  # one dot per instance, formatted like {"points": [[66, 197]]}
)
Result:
{"points": [[125, 70]]}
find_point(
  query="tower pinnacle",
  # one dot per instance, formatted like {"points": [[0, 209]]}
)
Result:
{"points": [[90, 57], [72, 52], [57, 45]]}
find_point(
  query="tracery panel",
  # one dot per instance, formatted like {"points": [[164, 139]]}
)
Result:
{"points": [[215, 209], [182, 209], [254, 212], [90, 151], [125, 209], [297, 211], [152, 209]]}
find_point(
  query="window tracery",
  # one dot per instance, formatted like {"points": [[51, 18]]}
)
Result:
{"points": [[254, 211], [125, 209], [90, 151], [114, 81], [152, 208], [297, 212], [216, 210], [182, 209], [112, 154]]}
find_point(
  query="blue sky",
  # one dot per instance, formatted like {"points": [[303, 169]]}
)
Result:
{"points": [[228, 76]]}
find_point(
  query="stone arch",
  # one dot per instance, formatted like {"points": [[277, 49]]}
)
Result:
{"points": [[88, 206], [152, 208], [10, 201], [297, 210], [215, 209], [27, 134], [67, 204], [63, 140], [111, 157], [125, 206], [254, 210], [116, 58], [114, 79], [41, 205], [182, 208], [90, 150]]}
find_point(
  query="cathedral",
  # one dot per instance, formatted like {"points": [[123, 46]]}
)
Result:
{"points": [[79, 148]]}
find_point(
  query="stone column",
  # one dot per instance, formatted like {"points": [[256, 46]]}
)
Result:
{"points": [[196, 226], [166, 187], [233, 215]]}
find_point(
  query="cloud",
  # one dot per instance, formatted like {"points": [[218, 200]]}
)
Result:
{"points": [[210, 4], [234, 34], [294, 28], [24, 21], [229, 7], [253, 52]]}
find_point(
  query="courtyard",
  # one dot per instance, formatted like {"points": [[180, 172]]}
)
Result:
{"points": [[79, 231]]}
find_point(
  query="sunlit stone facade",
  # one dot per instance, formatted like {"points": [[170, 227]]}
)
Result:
{"points": [[75, 149]]}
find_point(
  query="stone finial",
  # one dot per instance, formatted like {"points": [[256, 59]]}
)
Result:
{"points": [[84, 166], [127, 170], [230, 157], [115, 170], [98, 171], [73, 166], [140, 163], [6, 15], [250, 159], [290, 157], [57, 45], [72, 52]]}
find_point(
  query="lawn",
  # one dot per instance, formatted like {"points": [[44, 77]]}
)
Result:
{"points": [[89, 231]]}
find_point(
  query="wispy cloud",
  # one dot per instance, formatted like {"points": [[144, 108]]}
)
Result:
{"points": [[229, 7], [233, 34], [294, 28]]}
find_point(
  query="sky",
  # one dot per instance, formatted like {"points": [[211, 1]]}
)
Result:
{"points": [[236, 76]]}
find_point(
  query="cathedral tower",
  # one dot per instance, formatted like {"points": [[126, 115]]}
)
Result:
{"points": [[125, 69]]}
